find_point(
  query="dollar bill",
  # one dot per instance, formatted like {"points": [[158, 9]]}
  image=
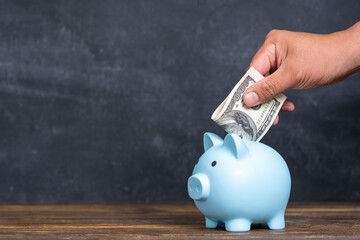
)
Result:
{"points": [[250, 123]]}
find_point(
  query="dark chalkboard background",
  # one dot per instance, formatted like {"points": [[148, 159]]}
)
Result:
{"points": [[108, 100]]}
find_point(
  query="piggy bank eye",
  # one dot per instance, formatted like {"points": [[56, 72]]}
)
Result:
{"points": [[213, 163]]}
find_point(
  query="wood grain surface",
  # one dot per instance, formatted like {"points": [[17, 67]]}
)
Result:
{"points": [[167, 221]]}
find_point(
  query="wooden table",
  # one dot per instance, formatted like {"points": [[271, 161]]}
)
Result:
{"points": [[167, 221]]}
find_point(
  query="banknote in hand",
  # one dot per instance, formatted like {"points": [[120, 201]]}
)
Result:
{"points": [[250, 123]]}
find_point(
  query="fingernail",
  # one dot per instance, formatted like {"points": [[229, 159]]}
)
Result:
{"points": [[286, 108], [251, 99]]}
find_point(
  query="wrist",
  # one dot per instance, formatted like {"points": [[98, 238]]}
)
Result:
{"points": [[353, 47]]}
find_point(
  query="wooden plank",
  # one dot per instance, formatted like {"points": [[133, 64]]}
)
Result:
{"points": [[167, 221]]}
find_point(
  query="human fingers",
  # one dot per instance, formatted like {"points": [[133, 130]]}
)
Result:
{"points": [[268, 87], [265, 59], [276, 120], [288, 106]]}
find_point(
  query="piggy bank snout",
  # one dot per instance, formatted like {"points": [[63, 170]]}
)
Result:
{"points": [[199, 186]]}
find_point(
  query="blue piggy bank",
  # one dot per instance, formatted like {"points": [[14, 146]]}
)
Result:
{"points": [[240, 183]]}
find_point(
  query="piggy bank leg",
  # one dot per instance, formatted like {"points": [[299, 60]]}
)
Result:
{"points": [[277, 222], [211, 223], [238, 225]]}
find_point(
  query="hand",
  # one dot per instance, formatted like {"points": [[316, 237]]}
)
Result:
{"points": [[296, 60]]}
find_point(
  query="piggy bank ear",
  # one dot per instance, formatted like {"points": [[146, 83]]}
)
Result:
{"points": [[236, 145], [211, 139]]}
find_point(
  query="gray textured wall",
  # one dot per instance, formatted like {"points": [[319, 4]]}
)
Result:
{"points": [[108, 100]]}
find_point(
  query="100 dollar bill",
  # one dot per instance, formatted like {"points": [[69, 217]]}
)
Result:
{"points": [[250, 123]]}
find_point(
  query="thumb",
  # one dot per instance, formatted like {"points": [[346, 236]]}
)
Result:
{"points": [[268, 87]]}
